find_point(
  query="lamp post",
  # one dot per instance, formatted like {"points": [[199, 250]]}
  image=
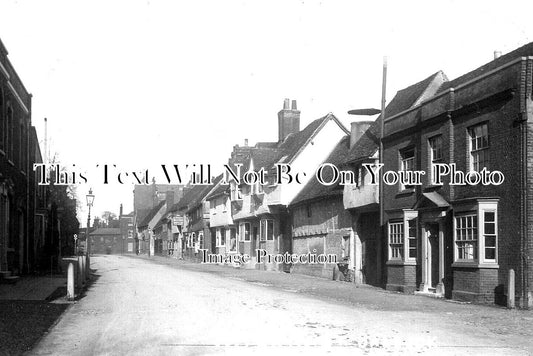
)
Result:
{"points": [[370, 112], [90, 201]]}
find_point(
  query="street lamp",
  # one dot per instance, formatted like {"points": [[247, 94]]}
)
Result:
{"points": [[374, 112], [90, 200]]}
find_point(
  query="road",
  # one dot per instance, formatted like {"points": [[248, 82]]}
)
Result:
{"points": [[138, 307]]}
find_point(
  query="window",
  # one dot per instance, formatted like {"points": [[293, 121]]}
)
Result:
{"points": [[130, 234], [308, 210], [201, 239], [235, 191], [407, 163], [396, 240], [476, 233], [221, 237], [267, 229], [245, 231], [466, 237], [345, 247], [479, 144], [411, 239], [489, 235], [436, 156], [403, 242]]}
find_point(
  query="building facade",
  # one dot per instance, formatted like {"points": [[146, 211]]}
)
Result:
{"points": [[459, 237]]}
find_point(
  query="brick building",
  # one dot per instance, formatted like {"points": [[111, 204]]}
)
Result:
{"points": [[461, 240]]}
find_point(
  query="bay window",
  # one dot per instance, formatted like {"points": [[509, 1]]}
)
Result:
{"points": [[476, 233], [403, 237]]}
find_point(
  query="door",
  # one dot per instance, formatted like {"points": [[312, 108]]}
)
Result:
{"points": [[433, 254], [254, 241]]}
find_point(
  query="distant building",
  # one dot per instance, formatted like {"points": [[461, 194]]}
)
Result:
{"points": [[107, 241]]}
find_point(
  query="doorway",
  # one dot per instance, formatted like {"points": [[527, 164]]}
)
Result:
{"points": [[432, 233]]}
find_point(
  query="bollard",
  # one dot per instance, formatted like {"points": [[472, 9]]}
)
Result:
{"points": [[70, 282], [510, 290], [81, 272]]}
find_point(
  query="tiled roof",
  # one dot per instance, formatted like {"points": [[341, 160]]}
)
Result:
{"points": [[524, 51], [403, 100], [196, 194], [151, 214], [314, 189], [106, 231]]}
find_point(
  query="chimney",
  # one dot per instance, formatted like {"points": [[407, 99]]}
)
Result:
{"points": [[497, 54], [120, 210], [288, 120], [357, 130], [245, 142], [170, 198]]}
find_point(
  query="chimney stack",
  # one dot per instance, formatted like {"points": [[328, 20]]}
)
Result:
{"points": [[120, 210], [245, 142], [288, 120], [357, 130], [497, 54]]}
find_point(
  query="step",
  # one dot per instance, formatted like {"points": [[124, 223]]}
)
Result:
{"points": [[4, 274], [9, 280]]}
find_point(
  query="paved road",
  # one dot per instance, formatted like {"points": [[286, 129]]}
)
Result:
{"points": [[140, 307]]}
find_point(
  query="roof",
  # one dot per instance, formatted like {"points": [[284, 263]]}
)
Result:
{"points": [[403, 100], [295, 142], [524, 51], [151, 214], [218, 191], [314, 189], [196, 194], [106, 231]]}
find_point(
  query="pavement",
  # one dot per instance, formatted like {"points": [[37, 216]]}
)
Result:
{"points": [[32, 288], [140, 306]]}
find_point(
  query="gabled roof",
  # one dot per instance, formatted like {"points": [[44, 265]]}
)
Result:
{"points": [[219, 190], [105, 231], [196, 194], [151, 214], [404, 99], [294, 143], [524, 51], [314, 189]]}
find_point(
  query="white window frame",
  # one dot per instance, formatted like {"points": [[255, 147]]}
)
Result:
{"points": [[432, 142], [478, 146], [478, 213], [396, 240], [404, 164], [219, 236], [264, 233], [399, 237], [243, 231]]}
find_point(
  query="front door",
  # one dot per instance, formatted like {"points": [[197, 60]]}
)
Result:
{"points": [[254, 241], [432, 232]]}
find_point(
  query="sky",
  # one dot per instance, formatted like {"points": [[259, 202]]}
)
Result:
{"points": [[140, 83]]}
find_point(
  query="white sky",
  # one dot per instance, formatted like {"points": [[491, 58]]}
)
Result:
{"points": [[141, 83]]}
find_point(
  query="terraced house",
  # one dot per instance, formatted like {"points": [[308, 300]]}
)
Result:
{"points": [[461, 240]]}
